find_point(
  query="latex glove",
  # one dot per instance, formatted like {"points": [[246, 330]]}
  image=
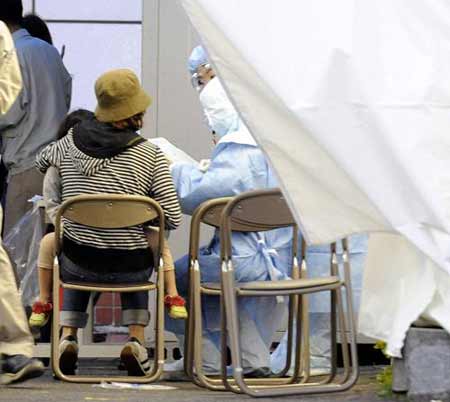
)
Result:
{"points": [[203, 165]]}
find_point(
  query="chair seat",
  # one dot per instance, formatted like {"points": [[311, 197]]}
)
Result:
{"points": [[117, 286], [291, 284]]}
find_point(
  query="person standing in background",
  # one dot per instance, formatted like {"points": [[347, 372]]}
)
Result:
{"points": [[37, 28], [16, 343], [32, 121]]}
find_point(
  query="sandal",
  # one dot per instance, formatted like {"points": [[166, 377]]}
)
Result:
{"points": [[40, 314], [176, 306]]}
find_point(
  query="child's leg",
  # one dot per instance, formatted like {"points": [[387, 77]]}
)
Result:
{"points": [[170, 283], [168, 265], [45, 267], [41, 309], [174, 302]]}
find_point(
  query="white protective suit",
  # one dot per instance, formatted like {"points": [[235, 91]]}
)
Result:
{"points": [[237, 165]]}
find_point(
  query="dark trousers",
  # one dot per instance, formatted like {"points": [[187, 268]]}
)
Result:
{"points": [[73, 312], [21, 187]]}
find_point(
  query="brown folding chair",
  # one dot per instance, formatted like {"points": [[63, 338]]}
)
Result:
{"points": [[110, 211], [209, 213], [265, 210]]}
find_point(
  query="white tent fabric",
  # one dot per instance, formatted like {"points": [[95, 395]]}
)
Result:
{"points": [[400, 282], [350, 101]]}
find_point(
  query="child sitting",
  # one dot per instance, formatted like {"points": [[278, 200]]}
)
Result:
{"points": [[42, 308]]}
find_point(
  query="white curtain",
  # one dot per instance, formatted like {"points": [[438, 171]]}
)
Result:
{"points": [[350, 101]]}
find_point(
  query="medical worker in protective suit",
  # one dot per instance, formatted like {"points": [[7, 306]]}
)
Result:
{"points": [[236, 165], [318, 264]]}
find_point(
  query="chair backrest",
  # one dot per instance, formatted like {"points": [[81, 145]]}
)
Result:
{"points": [[255, 211], [259, 211], [252, 211], [213, 214], [209, 213], [109, 211]]}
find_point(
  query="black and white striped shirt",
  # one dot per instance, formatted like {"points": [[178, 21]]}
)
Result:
{"points": [[139, 170]]}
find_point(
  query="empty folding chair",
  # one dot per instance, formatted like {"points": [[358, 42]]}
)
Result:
{"points": [[246, 209], [209, 213], [110, 211]]}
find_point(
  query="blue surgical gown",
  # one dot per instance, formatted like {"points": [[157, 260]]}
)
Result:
{"points": [[237, 165]]}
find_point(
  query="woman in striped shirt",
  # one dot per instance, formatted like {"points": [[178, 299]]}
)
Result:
{"points": [[106, 155]]}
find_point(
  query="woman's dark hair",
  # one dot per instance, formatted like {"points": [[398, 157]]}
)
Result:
{"points": [[11, 11], [37, 27], [72, 119]]}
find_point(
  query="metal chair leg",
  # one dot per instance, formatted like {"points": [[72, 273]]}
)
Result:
{"points": [[233, 325], [158, 366], [199, 376], [351, 315], [299, 345], [343, 333], [226, 380], [189, 331]]}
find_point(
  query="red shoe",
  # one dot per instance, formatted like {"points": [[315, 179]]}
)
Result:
{"points": [[40, 314], [176, 306]]}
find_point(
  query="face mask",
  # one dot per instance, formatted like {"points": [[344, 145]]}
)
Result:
{"points": [[220, 114]]}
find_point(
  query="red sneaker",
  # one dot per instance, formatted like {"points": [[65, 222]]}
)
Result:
{"points": [[176, 306], [40, 314]]}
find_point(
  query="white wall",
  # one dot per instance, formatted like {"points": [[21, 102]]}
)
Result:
{"points": [[168, 39], [115, 10], [98, 36], [27, 6], [91, 50]]}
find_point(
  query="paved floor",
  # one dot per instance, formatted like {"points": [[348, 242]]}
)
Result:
{"points": [[45, 389]]}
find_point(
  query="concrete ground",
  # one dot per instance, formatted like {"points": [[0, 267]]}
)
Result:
{"points": [[46, 389]]}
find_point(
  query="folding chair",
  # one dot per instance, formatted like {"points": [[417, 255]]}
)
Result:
{"points": [[264, 210], [110, 211], [209, 213]]}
